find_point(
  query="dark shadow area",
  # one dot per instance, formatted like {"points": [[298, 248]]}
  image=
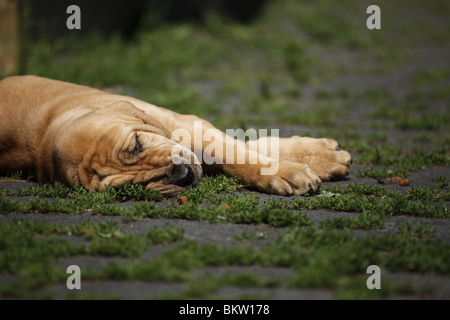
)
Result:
{"points": [[48, 17]]}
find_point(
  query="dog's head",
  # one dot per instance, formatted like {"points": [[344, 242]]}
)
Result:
{"points": [[118, 144]]}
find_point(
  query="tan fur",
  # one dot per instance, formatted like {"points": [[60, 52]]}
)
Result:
{"points": [[84, 137]]}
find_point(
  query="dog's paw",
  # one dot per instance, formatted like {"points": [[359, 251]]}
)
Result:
{"points": [[291, 179], [328, 160], [323, 156]]}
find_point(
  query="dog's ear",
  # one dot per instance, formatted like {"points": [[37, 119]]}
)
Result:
{"points": [[129, 109]]}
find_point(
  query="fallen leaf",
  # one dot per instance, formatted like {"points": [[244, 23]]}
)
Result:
{"points": [[183, 200], [404, 182], [225, 206]]}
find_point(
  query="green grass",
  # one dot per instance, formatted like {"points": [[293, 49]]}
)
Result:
{"points": [[295, 61], [396, 163], [366, 221], [308, 251], [392, 203], [210, 202], [441, 182], [29, 249]]}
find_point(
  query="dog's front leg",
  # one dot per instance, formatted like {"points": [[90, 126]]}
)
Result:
{"points": [[234, 157]]}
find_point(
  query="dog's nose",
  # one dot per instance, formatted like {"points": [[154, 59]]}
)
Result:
{"points": [[182, 175]]}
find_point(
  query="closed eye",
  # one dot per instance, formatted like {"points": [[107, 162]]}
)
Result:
{"points": [[137, 147]]}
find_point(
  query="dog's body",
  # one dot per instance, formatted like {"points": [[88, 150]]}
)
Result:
{"points": [[87, 137]]}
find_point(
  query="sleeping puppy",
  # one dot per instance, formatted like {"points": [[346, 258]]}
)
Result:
{"points": [[87, 137]]}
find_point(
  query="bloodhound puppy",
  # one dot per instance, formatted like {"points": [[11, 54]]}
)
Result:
{"points": [[91, 138]]}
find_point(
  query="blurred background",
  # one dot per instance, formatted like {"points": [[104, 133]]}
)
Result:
{"points": [[29, 20], [305, 67]]}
